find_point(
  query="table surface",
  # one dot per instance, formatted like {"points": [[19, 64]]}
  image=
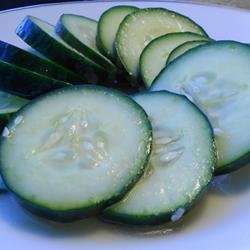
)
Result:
{"points": [[18, 3]]}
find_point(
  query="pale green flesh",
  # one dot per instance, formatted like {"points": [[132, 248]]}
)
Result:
{"points": [[10, 103], [49, 29], [82, 28], [71, 156], [216, 78], [183, 48], [108, 26], [85, 30], [139, 28], [155, 55], [181, 162]]}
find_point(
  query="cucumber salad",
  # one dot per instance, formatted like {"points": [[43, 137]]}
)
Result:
{"points": [[126, 118]]}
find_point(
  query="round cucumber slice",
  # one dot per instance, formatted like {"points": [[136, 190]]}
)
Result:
{"points": [[68, 154], [155, 54], [80, 32], [139, 28], [108, 26], [184, 48], [180, 166], [215, 77]]}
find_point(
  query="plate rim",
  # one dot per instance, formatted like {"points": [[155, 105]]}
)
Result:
{"points": [[213, 5], [154, 240]]}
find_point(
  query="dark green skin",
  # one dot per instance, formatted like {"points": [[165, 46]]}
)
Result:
{"points": [[87, 209], [12, 54], [237, 164], [4, 118], [148, 219], [24, 83], [33, 35], [69, 38]]}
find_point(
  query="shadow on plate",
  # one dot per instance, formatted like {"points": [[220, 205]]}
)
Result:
{"points": [[232, 184], [13, 214]]}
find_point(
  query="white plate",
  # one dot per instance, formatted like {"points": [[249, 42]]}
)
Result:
{"points": [[220, 221]]}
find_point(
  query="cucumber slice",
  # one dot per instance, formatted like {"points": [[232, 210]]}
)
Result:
{"points": [[138, 29], [215, 76], [41, 36], [108, 26], [80, 33], [180, 166], [178, 51], [9, 104], [154, 56], [24, 83], [12, 54], [84, 153]]}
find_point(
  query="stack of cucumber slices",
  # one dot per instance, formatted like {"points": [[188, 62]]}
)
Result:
{"points": [[127, 118]]}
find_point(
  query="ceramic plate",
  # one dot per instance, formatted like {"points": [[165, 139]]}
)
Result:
{"points": [[221, 220]]}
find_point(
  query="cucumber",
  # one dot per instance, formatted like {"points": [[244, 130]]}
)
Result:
{"points": [[215, 76], [154, 56], [178, 51], [9, 104], [180, 166], [12, 54], [80, 33], [108, 26], [84, 153], [41, 36], [139, 28], [25, 83]]}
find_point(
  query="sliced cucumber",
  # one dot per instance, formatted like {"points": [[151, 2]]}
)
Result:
{"points": [[215, 76], [68, 159], [178, 51], [80, 33], [24, 83], [41, 36], [180, 166], [12, 54], [138, 29], [108, 26], [9, 104], [154, 56]]}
